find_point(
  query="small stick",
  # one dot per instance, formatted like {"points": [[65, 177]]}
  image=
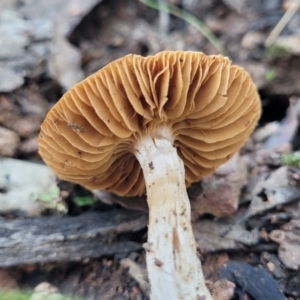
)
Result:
{"points": [[282, 23]]}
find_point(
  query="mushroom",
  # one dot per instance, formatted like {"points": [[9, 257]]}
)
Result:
{"points": [[154, 124]]}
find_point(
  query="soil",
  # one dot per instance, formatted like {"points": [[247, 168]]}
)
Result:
{"points": [[113, 29]]}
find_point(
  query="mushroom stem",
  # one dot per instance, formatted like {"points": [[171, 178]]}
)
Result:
{"points": [[174, 269]]}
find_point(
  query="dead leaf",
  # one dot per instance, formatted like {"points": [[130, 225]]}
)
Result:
{"points": [[10, 79], [273, 264], [289, 244], [272, 191], [213, 261], [272, 156], [138, 273], [219, 193], [290, 44], [264, 132], [30, 145], [64, 64], [26, 30], [9, 141], [8, 280], [222, 234], [67, 13], [222, 289]]}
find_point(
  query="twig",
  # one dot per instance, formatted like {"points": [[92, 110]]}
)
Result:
{"points": [[189, 18], [282, 23], [164, 18]]}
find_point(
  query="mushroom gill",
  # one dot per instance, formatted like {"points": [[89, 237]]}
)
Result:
{"points": [[204, 104]]}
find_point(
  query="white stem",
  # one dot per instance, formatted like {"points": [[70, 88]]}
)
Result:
{"points": [[174, 268]]}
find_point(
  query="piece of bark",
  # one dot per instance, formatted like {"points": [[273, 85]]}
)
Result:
{"points": [[255, 282], [224, 234], [58, 238]]}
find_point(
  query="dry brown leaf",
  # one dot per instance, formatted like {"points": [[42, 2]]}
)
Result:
{"points": [[9, 141], [219, 193]]}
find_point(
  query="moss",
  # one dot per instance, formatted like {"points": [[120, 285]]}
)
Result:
{"points": [[292, 159]]}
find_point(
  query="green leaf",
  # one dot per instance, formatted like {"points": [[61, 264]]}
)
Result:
{"points": [[292, 159], [50, 195], [84, 200], [25, 295], [14, 295], [277, 50], [270, 75]]}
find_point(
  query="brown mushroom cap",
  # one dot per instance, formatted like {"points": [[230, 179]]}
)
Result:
{"points": [[208, 106]]}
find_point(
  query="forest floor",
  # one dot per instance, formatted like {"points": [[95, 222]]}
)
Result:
{"points": [[246, 217]]}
